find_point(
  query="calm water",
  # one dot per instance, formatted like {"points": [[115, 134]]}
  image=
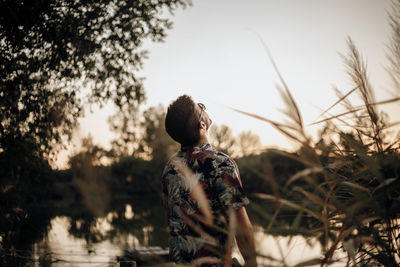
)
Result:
{"points": [[140, 223]]}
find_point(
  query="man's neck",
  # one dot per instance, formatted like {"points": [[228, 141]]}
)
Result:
{"points": [[203, 139], [203, 136]]}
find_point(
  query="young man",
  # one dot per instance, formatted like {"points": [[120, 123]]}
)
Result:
{"points": [[203, 194]]}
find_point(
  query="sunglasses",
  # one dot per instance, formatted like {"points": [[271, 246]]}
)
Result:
{"points": [[203, 108]]}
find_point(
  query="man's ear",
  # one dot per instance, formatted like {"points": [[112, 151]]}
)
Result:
{"points": [[203, 125]]}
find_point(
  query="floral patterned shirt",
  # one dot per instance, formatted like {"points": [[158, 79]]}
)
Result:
{"points": [[201, 187]]}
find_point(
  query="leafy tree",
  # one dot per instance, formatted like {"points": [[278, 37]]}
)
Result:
{"points": [[145, 138], [138, 172], [89, 177], [222, 139], [158, 142], [94, 153], [57, 56], [248, 143], [20, 197]]}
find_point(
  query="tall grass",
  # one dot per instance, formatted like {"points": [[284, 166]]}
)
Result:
{"points": [[351, 183]]}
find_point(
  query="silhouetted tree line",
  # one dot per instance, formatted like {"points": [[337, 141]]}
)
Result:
{"points": [[140, 171]]}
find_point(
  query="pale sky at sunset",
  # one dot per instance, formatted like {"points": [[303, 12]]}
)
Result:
{"points": [[213, 54]]}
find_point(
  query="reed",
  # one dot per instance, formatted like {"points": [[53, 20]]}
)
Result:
{"points": [[349, 191], [350, 188]]}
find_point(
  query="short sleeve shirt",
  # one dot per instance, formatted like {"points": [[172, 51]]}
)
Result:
{"points": [[190, 170]]}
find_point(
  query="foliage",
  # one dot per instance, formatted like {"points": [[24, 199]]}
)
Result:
{"points": [[135, 175], [257, 170], [138, 172], [131, 170], [268, 173], [221, 138], [60, 55], [145, 137], [244, 144], [90, 178], [56, 57], [25, 184], [248, 143], [159, 144]]}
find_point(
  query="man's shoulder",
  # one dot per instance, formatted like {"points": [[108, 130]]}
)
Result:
{"points": [[223, 158], [169, 166]]}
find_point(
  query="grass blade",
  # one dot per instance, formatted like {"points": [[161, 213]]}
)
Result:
{"points": [[303, 173], [340, 100], [289, 204], [280, 127]]}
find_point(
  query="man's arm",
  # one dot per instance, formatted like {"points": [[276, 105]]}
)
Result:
{"points": [[245, 237]]}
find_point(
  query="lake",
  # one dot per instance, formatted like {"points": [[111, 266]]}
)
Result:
{"points": [[74, 237]]}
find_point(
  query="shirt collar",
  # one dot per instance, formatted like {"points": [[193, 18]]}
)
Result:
{"points": [[196, 148]]}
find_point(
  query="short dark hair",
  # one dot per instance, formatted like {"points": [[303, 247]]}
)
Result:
{"points": [[182, 121]]}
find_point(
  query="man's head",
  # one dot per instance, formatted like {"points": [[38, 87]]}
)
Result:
{"points": [[185, 119]]}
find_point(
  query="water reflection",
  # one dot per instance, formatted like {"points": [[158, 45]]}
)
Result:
{"points": [[75, 237], [128, 212], [60, 248]]}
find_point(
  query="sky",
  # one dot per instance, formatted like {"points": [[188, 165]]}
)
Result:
{"points": [[214, 54]]}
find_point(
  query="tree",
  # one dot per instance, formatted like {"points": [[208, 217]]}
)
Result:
{"points": [[145, 138], [222, 139], [56, 56], [158, 142], [248, 143], [90, 177]]}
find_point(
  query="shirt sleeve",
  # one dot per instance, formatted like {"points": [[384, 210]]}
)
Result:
{"points": [[228, 185]]}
